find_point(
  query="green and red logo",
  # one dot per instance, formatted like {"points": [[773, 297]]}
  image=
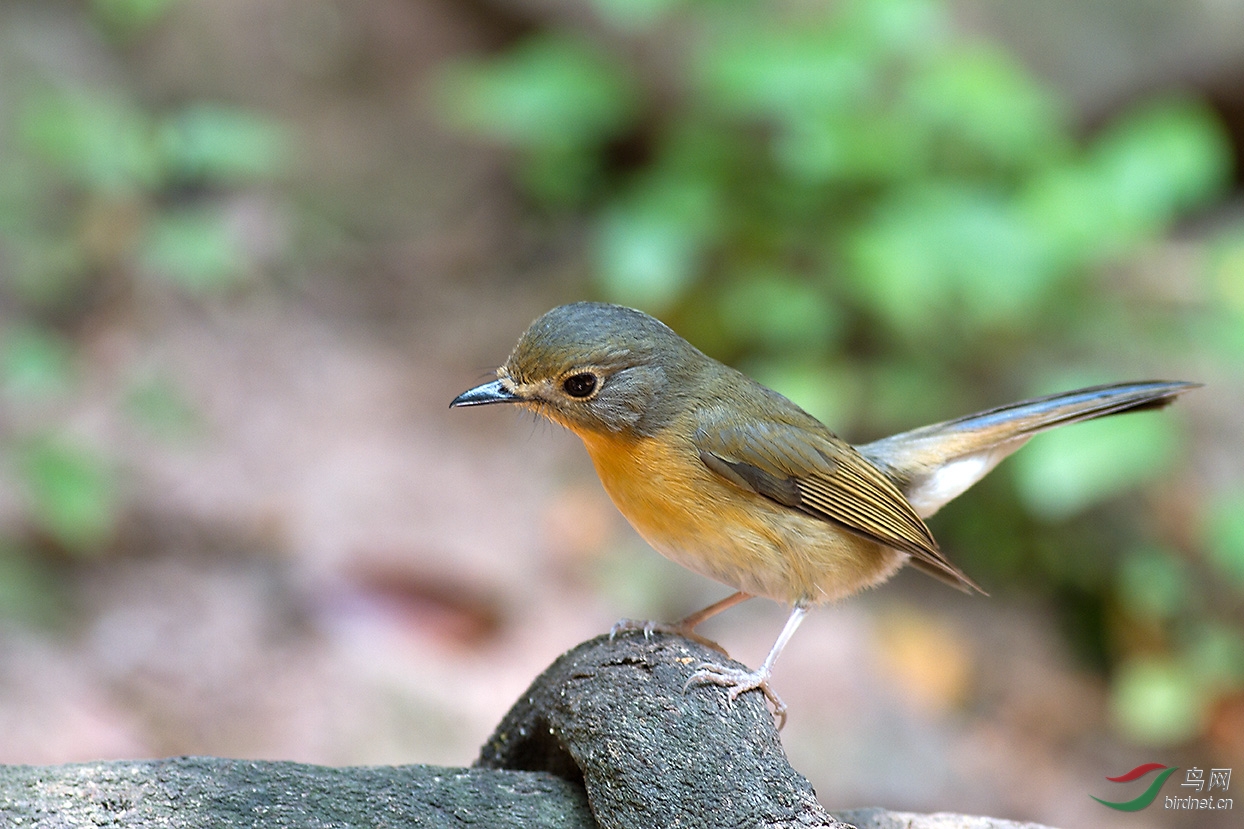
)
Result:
{"points": [[1148, 796]]}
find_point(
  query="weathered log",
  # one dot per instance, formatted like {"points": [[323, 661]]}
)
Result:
{"points": [[213, 793], [606, 737], [615, 715]]}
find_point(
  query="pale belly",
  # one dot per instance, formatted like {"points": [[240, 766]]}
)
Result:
{"points": [[736, 537]]}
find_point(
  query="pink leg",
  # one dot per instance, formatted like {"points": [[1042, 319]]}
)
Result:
{"points": [[737, 681], [686, 626], [693, 621]]}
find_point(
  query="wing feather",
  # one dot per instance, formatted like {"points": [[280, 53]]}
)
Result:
{"points": [[826, 478]]}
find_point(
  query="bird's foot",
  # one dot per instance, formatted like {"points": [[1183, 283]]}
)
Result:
{"points": [[736, 682], [649, 627]]}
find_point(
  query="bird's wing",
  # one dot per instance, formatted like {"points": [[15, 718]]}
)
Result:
{"points": [[826, 478]]}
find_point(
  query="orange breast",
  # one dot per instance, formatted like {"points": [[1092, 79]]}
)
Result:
{"points": [[661, 487], [739, 538]]}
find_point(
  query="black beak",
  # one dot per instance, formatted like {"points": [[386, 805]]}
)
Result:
{"points": [[492, 392]]}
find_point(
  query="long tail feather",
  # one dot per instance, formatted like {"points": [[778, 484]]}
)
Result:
{"points": [[1040, 413], [934, 464]]}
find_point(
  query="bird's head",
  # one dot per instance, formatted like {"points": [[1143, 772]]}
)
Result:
{"points": [[596, 368]]}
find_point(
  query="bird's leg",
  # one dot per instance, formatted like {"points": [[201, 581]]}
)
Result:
{"points": [[737, 681], [685, 626], [689, 623]]}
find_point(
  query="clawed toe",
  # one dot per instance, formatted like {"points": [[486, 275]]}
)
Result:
{"points": [[648, 627], [738, 682], [734, 680], [673, 629]]}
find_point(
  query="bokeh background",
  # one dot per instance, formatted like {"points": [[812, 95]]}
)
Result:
{"points": [[250, 249]]}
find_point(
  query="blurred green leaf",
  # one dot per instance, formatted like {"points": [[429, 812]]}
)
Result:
{"points": [[1158, 702], [1156, 162], [1224, 536], [988, 106], [650, 246], [95, 141], [1153, 582], [1226, 273], [158, 404], [892, 385], [774, 310], [1216, 657], [785, 74], [1223, 337], [635, 15], [906, 28], [194, 248], [1220, 330], [34, 362], [1069, 206], [126, 18], [948, 251], [855, 147], [560, 176], [1139, 175], [549, 91], [72, 492], [1067, 470], [220, 145]]}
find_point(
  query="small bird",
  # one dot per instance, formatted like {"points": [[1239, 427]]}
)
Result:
{"points": [[734, 481]]}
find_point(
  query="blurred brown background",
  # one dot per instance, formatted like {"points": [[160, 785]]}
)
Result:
{"points": [[250, 250]]}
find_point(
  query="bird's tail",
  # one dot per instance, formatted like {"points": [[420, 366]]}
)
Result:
{"points": [[934, 464]]}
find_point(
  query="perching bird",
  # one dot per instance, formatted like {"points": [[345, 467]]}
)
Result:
{"points": [[732, 480]]}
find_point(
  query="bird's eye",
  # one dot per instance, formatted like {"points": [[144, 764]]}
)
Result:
{"points": [[580, 385]]}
